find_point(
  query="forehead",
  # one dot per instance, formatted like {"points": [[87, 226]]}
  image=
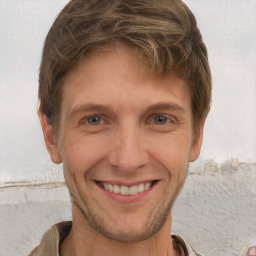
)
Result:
{"points": [[116, 75]]}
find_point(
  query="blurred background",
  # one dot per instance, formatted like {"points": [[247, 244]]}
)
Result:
{"points": [[216, 211]]}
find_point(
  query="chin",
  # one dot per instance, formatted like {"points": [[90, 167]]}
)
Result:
{"points": [[127, 228], [131, 235]]}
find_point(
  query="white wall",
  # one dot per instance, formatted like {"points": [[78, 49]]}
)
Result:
{"points": [[23, 27], [229, 30], [221, 184]]}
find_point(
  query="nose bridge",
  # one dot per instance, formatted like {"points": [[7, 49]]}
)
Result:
{"points": [[129, 151]]}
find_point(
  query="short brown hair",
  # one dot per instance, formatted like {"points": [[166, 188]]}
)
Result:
{"points": [[164, 32]]}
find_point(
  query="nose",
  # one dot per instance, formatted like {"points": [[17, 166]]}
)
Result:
{"points": [[128, 151]]}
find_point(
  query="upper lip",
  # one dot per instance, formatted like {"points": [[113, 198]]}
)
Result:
{"points": [[124, 183]]}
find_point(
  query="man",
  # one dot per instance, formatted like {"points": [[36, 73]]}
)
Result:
{"points": [[251, 251], [124, 92]]}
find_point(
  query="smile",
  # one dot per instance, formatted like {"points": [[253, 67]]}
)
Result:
{"points": [[127, 190]]}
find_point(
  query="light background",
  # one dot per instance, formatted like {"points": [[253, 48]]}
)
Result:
{"points": [[215, 212]]}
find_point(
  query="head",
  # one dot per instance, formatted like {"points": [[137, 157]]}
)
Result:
{"points": [[124, 91], [163, 33]]}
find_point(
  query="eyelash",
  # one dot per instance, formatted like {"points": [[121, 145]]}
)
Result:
{"points": [[152, 120], [86, 120], [95, 117], [167, 119]]}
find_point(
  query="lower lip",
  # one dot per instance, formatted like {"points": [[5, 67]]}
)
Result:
{"points": [[131, 198]]}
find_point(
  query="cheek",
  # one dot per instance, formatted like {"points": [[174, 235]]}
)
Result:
{"points": [[172, 152], [80, 153]]}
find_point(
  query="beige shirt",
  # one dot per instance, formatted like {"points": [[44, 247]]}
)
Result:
{"points": [[49, 245]]}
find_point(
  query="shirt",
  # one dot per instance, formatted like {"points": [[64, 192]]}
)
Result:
{"points": [[51, 240]]}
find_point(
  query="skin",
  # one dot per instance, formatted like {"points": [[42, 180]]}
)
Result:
{"points": [[121, 124], [251, 252]]}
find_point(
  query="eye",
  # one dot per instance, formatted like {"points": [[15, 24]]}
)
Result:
{"points": [[161, 120], [94, 120]]}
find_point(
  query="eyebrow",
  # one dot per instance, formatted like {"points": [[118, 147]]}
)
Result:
{"points": [[165, 106], [159, 106], [88, 107]]}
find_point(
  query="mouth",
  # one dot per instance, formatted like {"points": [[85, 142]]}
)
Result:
{"points": [[127, 190]]}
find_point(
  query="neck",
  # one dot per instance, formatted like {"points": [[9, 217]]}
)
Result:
{"points": [[83, 240]]}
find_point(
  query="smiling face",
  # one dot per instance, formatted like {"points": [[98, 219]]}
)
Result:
{"points": [[125, 139]]}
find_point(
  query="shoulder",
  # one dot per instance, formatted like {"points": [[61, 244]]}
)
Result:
{"points": [[51, 239], [188, 250]]}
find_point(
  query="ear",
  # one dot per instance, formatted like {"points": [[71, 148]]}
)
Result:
{"points": [[49, 139], [197, 142]]}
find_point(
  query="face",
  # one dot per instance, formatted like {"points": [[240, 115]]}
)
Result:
{"points": [[125, 139]]}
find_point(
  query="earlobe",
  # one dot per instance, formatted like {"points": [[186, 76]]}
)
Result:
{"points": [[197, 142], [49, 139]]}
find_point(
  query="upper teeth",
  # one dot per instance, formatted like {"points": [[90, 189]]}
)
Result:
{"points": [[124, 190]]}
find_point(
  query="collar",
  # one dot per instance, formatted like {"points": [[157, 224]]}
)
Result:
{"points": [[51, 240]]}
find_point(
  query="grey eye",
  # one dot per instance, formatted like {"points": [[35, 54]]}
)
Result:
{"points": [[160, 120], [93, 120]]}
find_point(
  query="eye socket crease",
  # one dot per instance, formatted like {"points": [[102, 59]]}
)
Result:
{"points": [[159, 106], [161, 114]]}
